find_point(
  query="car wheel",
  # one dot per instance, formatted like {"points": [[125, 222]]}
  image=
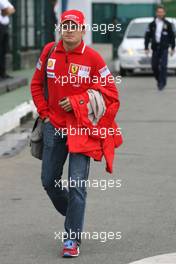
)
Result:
{"points": [[122, 71], [130, 72]]}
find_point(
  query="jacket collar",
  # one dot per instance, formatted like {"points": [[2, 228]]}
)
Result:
{"points": [[79, 49], [164, 20]]}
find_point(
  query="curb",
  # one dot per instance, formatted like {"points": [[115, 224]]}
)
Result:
{"points": [[12, 118], [12, 84]]}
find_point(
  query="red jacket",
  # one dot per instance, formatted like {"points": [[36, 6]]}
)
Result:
{"points": [[81, 62]]}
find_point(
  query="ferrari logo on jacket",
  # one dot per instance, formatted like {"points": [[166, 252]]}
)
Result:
{"points": [[79, 70], [74, 68]]}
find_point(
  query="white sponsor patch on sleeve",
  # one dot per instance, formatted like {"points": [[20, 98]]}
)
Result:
{"points": [[39, 65], [104, 71], [51, 74]]}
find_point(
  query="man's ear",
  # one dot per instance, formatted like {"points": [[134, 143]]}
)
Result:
{"points": [[83, 32]]}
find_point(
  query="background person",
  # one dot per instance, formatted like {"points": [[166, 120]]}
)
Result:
{"points": [[115, 37], [6, 10], [160, 34]]}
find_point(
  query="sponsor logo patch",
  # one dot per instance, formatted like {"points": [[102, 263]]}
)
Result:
{"points": [[51, 74], [51, 64], [39, 65], [84, 71], [71, 17], [104, 71]]}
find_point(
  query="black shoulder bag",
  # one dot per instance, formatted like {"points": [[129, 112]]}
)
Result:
{"points": [[36, 139]]}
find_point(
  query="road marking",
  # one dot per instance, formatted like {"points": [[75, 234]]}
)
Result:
{"points": [[159, 259]]}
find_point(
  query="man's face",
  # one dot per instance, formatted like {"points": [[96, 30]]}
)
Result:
{"points": [[160, 13], [71, 32]]}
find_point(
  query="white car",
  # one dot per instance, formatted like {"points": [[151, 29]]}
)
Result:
{"points": [[131, 51]]}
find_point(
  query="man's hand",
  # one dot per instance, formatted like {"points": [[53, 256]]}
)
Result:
{"points": [[8, 11], [147, 52], [46, 120], [65, 104], [172, 52]]}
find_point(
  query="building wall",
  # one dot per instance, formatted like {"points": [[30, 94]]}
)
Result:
{"points": [[170, 8], [102, 11]]}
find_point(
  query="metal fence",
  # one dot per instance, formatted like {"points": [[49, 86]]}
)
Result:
{"points": [[31, 27]]}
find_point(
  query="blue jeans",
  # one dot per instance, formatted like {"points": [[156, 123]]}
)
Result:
{"points": [[69, 202]]}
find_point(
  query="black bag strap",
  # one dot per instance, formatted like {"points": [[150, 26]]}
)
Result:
{"points": [[45, 69]]}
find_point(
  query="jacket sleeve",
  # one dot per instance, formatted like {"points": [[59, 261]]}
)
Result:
{"points": [[148, 36], [37, 83], [106, 80], [102, 81], [172, 36]]}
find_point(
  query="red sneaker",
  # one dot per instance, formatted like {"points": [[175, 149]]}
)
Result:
{"points": [[71, 249]]}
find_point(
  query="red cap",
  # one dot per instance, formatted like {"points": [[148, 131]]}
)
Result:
{"points": [[73, 15]]}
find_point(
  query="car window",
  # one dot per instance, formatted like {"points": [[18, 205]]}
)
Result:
{"points": [[137, 30]]}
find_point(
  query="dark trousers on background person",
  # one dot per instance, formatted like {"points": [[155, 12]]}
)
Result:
{"points": [[4, 37], [159, 66], [70, 203]]}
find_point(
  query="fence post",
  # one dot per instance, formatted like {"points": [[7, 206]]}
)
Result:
{"points": [[49, 22], [16, 35], [38, 23]]}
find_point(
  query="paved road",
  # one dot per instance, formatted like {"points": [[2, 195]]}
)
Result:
{"points": [[143, 209]]}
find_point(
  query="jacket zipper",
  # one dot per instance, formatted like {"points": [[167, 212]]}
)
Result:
{"points": [[66, 58]]}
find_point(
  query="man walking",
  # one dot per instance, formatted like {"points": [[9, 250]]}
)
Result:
{"points": [[160, 34], [67, 105], [6, 10]]}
